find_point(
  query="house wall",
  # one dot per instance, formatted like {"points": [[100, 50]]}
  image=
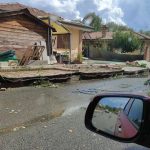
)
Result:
{"points": [[147, 51], [19, 32], [76, 42]]}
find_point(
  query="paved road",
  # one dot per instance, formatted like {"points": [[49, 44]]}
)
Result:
{"points": [[105, 121], [39, 129], [63, 133]]}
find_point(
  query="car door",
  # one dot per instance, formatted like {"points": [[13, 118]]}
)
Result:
{"points": [[129, 119]]}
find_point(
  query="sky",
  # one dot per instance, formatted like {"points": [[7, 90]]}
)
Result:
{"points": [[133, 13], [117, 102]]}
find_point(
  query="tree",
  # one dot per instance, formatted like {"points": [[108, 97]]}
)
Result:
{"points": [[93, 20], [145, 32], [126, 41], [115, 27]]}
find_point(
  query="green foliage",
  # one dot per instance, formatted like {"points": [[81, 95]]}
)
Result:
{"points": [[126, 41], [115, 27], [79, 57], [95, 21], [145, 32], [104, 47], [143, 65]]}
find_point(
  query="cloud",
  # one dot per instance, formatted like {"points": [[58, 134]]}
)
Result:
{"points": [[61, 6], [134, 13], [110, 11]]}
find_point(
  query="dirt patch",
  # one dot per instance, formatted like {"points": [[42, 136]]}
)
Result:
{"points": [[39, 119]]}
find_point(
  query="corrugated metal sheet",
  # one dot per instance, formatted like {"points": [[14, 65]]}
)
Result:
{"points": [[58, 27]]}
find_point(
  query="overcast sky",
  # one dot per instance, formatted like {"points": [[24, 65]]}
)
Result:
{"points": [[134, 13]]}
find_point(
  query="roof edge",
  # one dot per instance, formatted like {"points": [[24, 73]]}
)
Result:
{"points": [[26, 12]]}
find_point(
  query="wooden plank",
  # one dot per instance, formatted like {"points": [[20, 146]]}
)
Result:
{"points": [[31, 53], [15, 30], [18, 24], [23, 34], [14, 27], [16, 20], [16, 46], [12, 43], [19, 38]]}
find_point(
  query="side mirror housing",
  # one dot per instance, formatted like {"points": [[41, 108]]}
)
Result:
{"points": [[121, 117]]}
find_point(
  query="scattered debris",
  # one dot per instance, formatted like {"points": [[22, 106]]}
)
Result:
{"points": [[8, 55], [2, 89], [15, 129], [44, 83], [12, 111], [70, 131], [139, 63], [133, 63], [147, 82], [88, 91], [18, 128]]}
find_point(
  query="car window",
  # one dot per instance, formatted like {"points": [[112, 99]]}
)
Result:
{"points": [[135, 113], [128, 106]]}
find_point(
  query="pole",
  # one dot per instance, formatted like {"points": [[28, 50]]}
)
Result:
{"points": [[49, 43]]}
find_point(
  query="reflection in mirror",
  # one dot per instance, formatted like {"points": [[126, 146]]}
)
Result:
{"points": [[118, 116]]}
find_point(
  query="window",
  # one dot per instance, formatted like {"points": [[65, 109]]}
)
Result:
{"points": [[63, 41], [127, 107], [136, 112]]}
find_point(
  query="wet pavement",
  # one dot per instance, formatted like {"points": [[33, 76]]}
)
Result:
{"points": [[50, 118], [62, 133]]}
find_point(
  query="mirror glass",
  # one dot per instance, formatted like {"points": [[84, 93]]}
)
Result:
{"points": [[118, 116]]}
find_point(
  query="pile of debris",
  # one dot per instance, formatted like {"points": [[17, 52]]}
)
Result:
{"points": [[8, 58]]}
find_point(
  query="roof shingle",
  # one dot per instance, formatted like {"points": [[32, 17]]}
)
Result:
{"points": [[98, 35], [17, 6]]}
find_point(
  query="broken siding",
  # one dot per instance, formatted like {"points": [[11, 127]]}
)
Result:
{"points": [[20, 32]]}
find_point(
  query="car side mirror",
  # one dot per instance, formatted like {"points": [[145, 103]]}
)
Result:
{"points": [[121, 117]]}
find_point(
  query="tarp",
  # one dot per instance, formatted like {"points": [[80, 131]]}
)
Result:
{"points": [[8, 55]]}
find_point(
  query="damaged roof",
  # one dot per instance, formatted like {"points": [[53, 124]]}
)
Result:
{"points": [[108, 36], [97, 35], [142, 36], [25, 12], [77, 24], [17, 6], [41, 14]]}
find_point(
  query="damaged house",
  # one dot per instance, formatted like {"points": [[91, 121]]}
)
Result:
{"points": [[98, 45], [68, 38], [19, 30]]}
